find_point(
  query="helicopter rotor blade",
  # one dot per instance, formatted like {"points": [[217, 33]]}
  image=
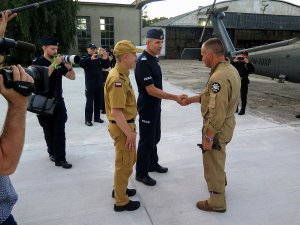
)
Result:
{"points": [[209, 12]]}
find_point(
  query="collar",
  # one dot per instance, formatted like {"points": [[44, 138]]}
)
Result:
{"points": [[226, 61], [122, 70]]}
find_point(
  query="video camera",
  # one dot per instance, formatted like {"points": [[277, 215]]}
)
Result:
{"points": [[38, 73]]}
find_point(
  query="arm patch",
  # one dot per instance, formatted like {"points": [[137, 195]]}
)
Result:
{"points": [[215, 87]]}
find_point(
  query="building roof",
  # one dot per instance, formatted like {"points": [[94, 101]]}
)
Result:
{"points": [[275, 11]]}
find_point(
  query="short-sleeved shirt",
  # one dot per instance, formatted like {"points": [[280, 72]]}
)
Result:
{"points": [[148, 72], [55, 80], [119, 94], [8, 198], [219, 100]]}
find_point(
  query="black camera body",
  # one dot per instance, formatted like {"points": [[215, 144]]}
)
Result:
{"points": [[39, 75]]}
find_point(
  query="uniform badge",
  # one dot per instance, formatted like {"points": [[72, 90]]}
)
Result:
{"points": [[118, 84], [215, 87]]}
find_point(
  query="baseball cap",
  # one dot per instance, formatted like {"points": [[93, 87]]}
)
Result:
{"points": [[124, 47], [91, 45]]}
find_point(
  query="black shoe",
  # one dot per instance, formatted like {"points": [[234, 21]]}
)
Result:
{"points": [[98, 120], [159, 169], [129, 192], [146, 180], [130, 206], [242, 112], [88, 123], [52, 158], [63, 164]]}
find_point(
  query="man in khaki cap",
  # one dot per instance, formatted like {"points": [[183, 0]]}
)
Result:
{"points": [[121, 110]]}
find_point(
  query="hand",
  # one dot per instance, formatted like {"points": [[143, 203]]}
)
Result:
{"points": [[3, 22], [58, 59], [181, 99], [94, 56], [68, 65], [131, 141], [10, 94], [207, 145]]}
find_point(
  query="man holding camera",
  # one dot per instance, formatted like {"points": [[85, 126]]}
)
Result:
{"points": [[244, 67], [12, 136], [54, 125], [93, 64]]}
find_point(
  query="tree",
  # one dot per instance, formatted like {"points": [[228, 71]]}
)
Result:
{"points": [[147, 21], [55, 19]]}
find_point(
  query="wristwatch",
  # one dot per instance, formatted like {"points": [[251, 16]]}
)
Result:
{"points": [[209, 139]]}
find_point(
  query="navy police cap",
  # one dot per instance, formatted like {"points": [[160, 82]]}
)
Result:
{"points": [[91, 45], [155, 34], [47, 40]]}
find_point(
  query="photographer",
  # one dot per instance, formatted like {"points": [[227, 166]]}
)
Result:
{"points": [[12, 136], [93, 64], [54, 125], [244, 67]]}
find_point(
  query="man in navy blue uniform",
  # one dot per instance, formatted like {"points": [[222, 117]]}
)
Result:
{"points": [[148, 77], [54, 125], [94, 81]]}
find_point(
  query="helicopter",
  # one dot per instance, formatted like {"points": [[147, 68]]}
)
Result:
{"points": [[277, 60]]}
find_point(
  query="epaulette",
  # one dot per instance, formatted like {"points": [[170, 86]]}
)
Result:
{"points": [[121, 76], [144, 58]]}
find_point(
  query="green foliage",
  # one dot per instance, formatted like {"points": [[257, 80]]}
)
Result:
{"points": [[147, 21], [56, 19]]}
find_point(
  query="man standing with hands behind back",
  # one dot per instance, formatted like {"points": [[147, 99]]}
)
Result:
{"points": [[218, 101], [121, 110], [148, 77]]}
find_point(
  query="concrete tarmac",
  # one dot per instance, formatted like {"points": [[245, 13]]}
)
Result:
{"points": [[262, 171]]}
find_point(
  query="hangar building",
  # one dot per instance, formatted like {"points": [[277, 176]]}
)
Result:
{"points": [[248, 22]]}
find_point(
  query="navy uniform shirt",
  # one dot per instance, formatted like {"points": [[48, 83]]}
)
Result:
{"points": [[55, 80], [93, 70], [148, 72]]}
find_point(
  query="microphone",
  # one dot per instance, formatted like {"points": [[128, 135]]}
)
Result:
{"points": [[8, 43]]}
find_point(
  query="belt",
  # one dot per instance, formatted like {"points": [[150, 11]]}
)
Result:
{"points": [[128, 121]]}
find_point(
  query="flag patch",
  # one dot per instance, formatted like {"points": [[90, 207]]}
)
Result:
{"points": [[118, 84]]}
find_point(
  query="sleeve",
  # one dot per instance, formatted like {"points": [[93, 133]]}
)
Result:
{"points": [[146, 74], [218, 104], [117, 94], [105, 63], [250, 67], [84, 61]]}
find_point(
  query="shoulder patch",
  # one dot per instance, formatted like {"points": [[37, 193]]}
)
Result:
{"points": [[215, 87], [118, 84], [144, 58]]}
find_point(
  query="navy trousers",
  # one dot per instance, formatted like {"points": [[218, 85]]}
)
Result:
{"points": [[150, 134]]}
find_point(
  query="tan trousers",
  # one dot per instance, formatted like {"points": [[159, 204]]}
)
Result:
{"points": [[124, 162], [214, 173]]}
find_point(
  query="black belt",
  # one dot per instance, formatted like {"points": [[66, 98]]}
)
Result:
{"points": [[128, 121]]}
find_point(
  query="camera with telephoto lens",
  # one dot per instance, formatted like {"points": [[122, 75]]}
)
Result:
{"points": [[72, 59]]}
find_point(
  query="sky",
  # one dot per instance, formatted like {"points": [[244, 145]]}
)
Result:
{"points": [[171, 8]]}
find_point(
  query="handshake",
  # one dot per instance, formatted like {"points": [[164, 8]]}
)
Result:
{"points": [[183, 100]]}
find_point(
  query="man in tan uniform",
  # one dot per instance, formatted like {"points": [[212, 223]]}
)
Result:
{"points": [[121, 110], [218, 101]]}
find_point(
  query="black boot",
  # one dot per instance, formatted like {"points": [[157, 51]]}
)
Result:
{"points": [[242, 111]]}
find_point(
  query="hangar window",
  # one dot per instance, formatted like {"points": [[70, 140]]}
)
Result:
{"points": [[107, 31], [83, 27]]}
